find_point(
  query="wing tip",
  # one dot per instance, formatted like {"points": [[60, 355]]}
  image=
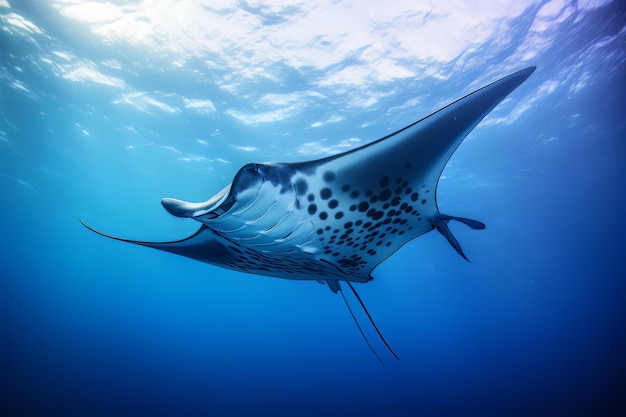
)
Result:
{"points": [[156, 245], [526, 72], [84, 223], [96, 231]]}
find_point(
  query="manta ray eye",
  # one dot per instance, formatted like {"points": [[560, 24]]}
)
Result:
{"points": [[249, 176], [250, 169]]}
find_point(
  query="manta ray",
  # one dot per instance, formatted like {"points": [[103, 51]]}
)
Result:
{"points": [[336, 218]]}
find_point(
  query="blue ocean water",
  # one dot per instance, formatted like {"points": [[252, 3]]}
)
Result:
{"points": [[105, 108]]}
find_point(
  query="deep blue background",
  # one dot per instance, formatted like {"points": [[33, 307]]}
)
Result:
{"points": [[533, 326]]}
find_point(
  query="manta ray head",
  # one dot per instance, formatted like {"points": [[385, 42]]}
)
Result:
{"points": [[242, 192]]}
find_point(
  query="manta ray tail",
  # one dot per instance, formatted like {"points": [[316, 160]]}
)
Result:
{"points": [[335, 287], [372, 321], [369, 345], [441, 224]]}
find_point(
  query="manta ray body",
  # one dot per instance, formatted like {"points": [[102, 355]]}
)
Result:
{"points": [[335, 219]]}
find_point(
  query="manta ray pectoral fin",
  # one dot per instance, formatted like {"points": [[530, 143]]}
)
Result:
{"points": [[200, 246], [440, 222], [96, 231]]}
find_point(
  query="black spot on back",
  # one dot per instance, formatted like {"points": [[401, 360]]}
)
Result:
{"points": [[384, 194], [329, 176], [325, 193]]}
